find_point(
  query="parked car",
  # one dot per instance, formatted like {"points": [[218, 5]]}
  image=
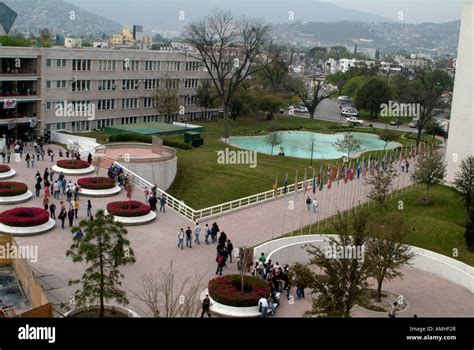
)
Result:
{"points": [[354, 121], [350, 112], [412, 124], [301, 109], [396, 122], [344, 100]]}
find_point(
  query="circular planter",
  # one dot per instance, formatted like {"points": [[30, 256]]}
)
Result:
{"points": [[92, 311], [25, 221], [6, 172], [131, 212], [66, 171], [227, 299], [104, 188], [16, 199]]}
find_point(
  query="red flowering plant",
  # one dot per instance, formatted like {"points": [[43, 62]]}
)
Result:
{"points": [[128, 208], [96, 183], [227, 290], [72, 164], [24, 217], [4, 168], [10, 188]]}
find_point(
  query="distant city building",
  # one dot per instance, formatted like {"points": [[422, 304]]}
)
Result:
{"points": [[7, 18], [72, 43], [411, 63], [368, 51], [138, 33], [123, 38], [100, 44]]}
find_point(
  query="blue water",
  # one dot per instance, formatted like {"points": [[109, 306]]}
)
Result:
{"points": [[298, 144]]}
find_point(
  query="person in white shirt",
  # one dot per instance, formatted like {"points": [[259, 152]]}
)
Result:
{"points": [[181, 239], [315, 205], [263, 307], [197, 232]]}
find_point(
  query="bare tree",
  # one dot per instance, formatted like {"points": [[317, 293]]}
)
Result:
{"points": [[166, 296], [230, 50], [244, 263], [165, 97]]}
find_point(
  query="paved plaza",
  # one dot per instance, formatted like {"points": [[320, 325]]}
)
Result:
{"points": [[155, 245]]}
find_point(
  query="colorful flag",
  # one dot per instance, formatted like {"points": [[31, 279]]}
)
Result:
{"points": [[314, 182], [320, 180], [275, 187], [305, 184], [286, 184]]}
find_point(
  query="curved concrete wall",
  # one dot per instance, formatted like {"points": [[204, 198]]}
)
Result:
{"points": [[160, 173], [291, 250]]}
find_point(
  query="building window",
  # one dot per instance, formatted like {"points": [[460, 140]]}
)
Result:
{"points": [[173, 66], [192, 66], [81, 85], [191, 83], [152, 66], [131, 65], [130, 84], [105, 105], [49, 106], [107, 66], [190, 100], [148, 102], [48, 84], [61, 84], [81, 65], [106, 85], [130, 103], [172, 83], [151, 84], [61, 63], [48, 62]]}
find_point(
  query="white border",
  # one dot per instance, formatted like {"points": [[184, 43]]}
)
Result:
{"points": [[28, 231], [135, 220], [8, 174], [100, 193], [16, 199], [65, 171]]}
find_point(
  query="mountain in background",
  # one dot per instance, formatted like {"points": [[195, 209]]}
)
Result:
{"points": [[34, 15], [164, 14], [433, 38]]}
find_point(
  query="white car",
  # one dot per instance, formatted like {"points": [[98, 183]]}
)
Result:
{"points": [[354, 121], [301, 109], [350, 112]]}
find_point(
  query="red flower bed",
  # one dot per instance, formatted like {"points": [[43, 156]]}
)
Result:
{"points": [[8, 189], [96, 183], [72, 164], [226, 290], [128, 208], [4, 168], [24, 217]]}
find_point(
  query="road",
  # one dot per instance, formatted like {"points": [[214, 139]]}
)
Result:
{"points": [[329, 110]]}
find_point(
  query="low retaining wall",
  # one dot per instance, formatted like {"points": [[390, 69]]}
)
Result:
{"points": [[291, 250]]}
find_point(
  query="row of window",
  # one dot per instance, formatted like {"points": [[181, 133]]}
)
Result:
{"points": [[110, 104], [127, 84], [127, 65]]}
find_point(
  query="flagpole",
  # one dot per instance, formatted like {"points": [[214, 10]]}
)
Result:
{"points": [[303, 202], [294, 204], [275, 194]]}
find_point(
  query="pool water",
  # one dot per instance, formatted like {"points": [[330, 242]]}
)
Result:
{"points": [[298, 144]]}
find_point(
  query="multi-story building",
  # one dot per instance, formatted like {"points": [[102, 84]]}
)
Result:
{"points": [[54, 85]]}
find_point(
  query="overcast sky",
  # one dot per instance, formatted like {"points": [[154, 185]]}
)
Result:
{"points": [[414, 11]]}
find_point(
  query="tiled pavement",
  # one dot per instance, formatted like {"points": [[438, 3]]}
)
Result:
{"points": [[155, 246]]}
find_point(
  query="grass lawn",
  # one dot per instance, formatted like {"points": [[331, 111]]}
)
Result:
{"points": [[439, 227], [202, 182]]}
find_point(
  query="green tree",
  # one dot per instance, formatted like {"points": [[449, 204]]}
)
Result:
{"points": [[205, 96], [380, 186], [270, 103], [273, 139], [348, 144], [244, 264], [430, 171], [343, 281], [372, 94], [387, 136], [103, 248], [386, 249], [464, 183], [353, 84]]}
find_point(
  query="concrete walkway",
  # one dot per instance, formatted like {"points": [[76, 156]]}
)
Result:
{"points": [[155, 246]]}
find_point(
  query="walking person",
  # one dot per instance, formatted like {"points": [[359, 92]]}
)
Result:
{"points": [[263, 307], [220, 263], [189, 238], [197, 232], [52, 211], [147, 194], [62, 217], [89, 208], [308, 203], [222, 239], [56, 190], [393, 310], [27, 159], [229, 248], [38, 188], [315, 204], [152, 201], [206, 305], [181, 239], [76, 207], [208, 233], [214, 232], [45, 203], [70, 215], [162, 203]]}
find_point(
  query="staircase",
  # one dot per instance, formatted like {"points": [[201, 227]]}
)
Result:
{"points": [[105, 161]]}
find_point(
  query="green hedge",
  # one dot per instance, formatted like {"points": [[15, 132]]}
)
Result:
{"points": [[127, 137]]}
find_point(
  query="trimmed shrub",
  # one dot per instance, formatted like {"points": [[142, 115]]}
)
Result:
{"points": [[9, 189], [96, 183], [227, 290], [72, 164], [128, 137], [128, 208], [4, 168], [24, 217]]}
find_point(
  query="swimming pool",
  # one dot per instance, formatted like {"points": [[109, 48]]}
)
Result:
{"points": [[298, 144]]}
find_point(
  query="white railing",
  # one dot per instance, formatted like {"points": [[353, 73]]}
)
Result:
{"points": [[224, 208]]}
